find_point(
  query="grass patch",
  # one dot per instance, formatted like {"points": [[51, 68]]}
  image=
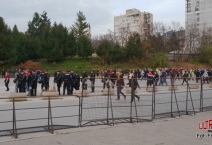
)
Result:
{"points": [[78, 65]]}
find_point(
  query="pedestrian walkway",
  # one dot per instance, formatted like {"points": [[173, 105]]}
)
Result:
{"points": [[175, 131]]}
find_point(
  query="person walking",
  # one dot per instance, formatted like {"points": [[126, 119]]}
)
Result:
{"points": [[185, 77], [150, 77], [163, 77], [120, 85], [205, 76], [7, 81], [134, 84], [92, 79]]}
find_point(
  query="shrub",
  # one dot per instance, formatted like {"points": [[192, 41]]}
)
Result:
{"points": [[160, 60], [30, 65]]}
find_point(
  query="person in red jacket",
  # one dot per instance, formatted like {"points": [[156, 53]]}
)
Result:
{"points": [[7, 81]]}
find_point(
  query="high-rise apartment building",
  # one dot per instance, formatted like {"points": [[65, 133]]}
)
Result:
{"points": [[199, 12], [198, 21], [133, 21]]}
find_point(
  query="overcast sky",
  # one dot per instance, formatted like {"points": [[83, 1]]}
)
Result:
{"points": [[99, 13]]}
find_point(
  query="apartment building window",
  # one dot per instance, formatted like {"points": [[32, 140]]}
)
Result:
{"points": [[198, 19], [189, 7], [197, 6]]}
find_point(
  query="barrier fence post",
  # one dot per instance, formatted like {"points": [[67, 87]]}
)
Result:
{"points": [[79, 117], [153, 101], [108, 86], [111, 109], [172, 87], [50, 114], [192, 101], [201, 95], [154, 98], [81, 104], [136, 113], [176, 103], [187, 100], [132, 99], [14, 121]]}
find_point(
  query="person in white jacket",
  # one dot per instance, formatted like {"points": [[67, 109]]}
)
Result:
{"points": [[205, 76]]}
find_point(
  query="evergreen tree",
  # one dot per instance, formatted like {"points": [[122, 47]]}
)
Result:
{"points": [[70, 46], [84, 47], [55, 54], [103, 50], [38, 23], [134, 46], [110, 52], [7, 52], [80, 27]]}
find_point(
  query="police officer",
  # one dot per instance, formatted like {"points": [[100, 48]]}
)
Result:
{"points": [[46, 80], [21, 82], [16, 82], [33, 84], [66, 82], [77, 81], [92, 79], [58, 80], [41, 80], [72, 81]]}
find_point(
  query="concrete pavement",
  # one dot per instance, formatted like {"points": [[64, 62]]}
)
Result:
{"points": [[176, 131]]}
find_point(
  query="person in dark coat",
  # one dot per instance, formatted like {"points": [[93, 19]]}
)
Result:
{"points": [[72, 82], [134, 85], [84, 79], [66, 83], [197, 73], [77, 81], [185, 77], [46, 80], [58, 81], [120, 85], [92, 79], [33, 84], [21, 82], [113, 77]]}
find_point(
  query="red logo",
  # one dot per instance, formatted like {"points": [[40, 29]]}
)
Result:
{"points": [[206, 125]]}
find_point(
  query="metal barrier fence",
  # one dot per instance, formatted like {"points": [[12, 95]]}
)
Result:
{"points": [[37, 117], [102, 108], [155, 102]]}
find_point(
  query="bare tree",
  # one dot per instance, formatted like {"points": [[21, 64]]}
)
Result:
{"points": [[123, 34], [193, 35]]}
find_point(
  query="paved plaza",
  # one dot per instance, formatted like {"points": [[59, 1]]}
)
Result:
{"points": [[181, 130]]}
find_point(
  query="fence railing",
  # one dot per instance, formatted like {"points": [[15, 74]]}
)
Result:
{"points": [[104, 107]]}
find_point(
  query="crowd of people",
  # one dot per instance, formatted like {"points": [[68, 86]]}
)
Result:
{"points": [[26, 80]]}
